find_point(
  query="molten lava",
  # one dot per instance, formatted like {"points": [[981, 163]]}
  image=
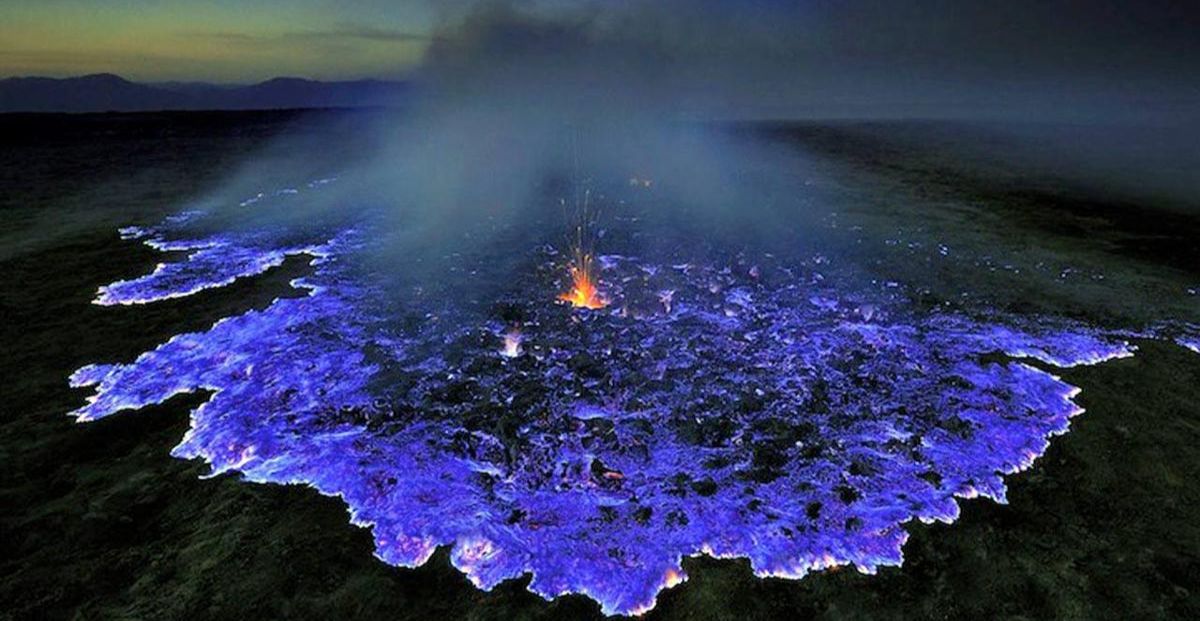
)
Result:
{"points": [[583, 293]]}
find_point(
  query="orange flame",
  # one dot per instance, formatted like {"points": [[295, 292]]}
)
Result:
{"points": [[583, 293]]}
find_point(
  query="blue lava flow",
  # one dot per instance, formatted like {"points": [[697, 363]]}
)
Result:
{"points": [[733, 410]]}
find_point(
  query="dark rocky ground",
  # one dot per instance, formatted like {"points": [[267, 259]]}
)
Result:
{"points": [[99, 522]]}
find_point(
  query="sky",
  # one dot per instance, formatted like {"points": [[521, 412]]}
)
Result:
{"points": [[775, 56], [221, 41]]}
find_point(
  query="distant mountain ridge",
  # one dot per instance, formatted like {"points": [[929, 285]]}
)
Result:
{"points": [[105, 92]]}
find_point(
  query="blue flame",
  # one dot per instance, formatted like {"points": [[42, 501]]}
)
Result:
{"points": [[797, 425]]}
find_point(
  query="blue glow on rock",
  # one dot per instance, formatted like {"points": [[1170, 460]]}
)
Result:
{"points": [[211, 262], [759, 413]]}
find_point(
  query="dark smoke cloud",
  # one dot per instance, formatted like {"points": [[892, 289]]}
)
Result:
{"points": [[514, 98], [1023, 59]]}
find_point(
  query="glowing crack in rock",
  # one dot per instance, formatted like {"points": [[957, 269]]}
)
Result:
{"points": [[759, 413]]}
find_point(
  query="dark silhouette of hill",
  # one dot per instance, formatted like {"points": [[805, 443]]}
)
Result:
{"points": [[106, 92]]}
